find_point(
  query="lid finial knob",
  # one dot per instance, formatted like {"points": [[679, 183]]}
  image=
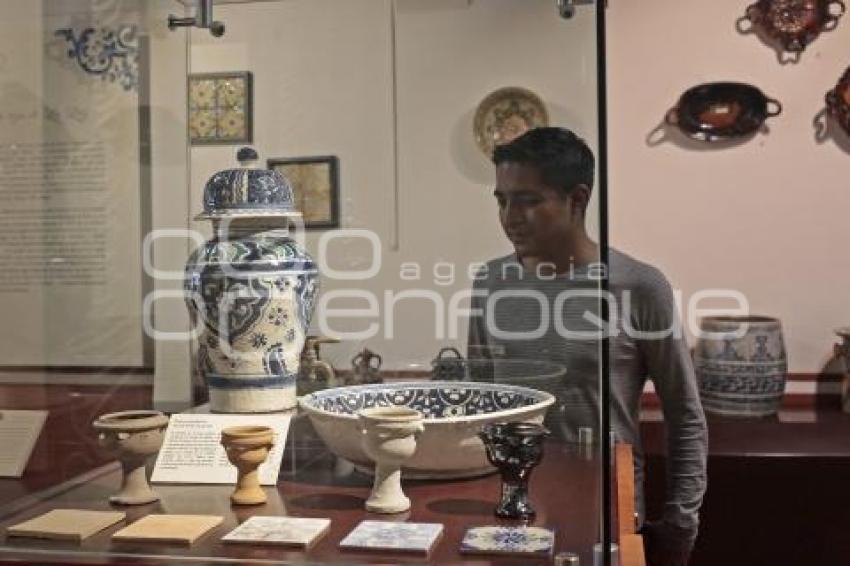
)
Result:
{"points": [[247, 156]]}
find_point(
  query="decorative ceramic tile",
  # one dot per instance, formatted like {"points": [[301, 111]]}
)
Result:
{"points": [[385, 535], [508, 540], [231, 123], [231, 92], [184, 529], [202, 94], [220, 108], [66, 524], [291, 531], [202, 123]]}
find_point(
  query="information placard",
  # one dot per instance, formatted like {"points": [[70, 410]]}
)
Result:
{"points": [[19, 432], [192, 452]]}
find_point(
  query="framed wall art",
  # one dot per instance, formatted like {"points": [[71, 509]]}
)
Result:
{"points": [[315, 186], [220, 108]]}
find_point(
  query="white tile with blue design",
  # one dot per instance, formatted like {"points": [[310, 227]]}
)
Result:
{"points": [[393, 536], [538, 541]]}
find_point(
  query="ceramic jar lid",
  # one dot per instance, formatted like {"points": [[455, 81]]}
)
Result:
{"points": [[248, 192]]}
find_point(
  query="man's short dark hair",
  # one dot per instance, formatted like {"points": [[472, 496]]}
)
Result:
{"points": [[562, 158]]}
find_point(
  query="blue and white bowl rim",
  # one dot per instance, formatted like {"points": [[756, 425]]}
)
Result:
{"points": [[543, 399]]}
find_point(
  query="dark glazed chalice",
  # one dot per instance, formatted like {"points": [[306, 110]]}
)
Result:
{"points": [[515, 449]]}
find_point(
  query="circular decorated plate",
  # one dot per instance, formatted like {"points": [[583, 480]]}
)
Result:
{"points": [[506, 114]]}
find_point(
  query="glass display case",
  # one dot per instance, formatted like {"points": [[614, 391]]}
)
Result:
{"points": [[312, 221]]}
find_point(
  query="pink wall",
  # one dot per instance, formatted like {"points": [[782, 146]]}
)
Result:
{"points": [[769, 217]]}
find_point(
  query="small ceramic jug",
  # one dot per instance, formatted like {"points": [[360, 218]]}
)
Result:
{"points": [[449, 365], [132, 437], [313, 369], [247, 447], [843, 351], [366, 366], [389, 439]]}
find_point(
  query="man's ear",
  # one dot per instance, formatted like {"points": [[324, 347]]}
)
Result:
{"points": [[580, 198]]}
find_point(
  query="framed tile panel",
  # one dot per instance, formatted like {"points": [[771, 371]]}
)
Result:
{"points": [[221, 108]]}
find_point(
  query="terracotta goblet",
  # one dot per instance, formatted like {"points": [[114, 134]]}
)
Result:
{"points": [[389, 439], [132, 436], [515, 449], [247, 447]]}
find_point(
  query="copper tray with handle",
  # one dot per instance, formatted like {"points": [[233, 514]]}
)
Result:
{"points": [[794, 24], [838, 101], [722, 110]]}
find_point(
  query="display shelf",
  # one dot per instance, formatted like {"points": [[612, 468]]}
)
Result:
{"points": [[313, 483]]}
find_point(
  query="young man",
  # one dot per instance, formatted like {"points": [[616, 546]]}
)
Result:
{"points": [[542, 302]]}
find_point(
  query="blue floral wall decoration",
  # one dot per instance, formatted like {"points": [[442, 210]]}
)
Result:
{"points": [[111, 53]]}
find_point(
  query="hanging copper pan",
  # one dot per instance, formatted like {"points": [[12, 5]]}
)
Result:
{"points": [[724, 110], [838, 102], [794, 24]]}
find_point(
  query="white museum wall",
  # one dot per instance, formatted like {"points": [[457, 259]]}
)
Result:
{"points": [[768, 217], [323, 85]]}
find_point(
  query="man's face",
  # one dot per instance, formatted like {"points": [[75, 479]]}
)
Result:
{"points": [[536, 218]]}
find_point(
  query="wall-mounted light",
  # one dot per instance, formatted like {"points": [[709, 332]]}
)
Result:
{"points": [[567, 8], [203, 19]]}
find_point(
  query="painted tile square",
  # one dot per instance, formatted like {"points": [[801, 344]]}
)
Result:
{"points": [[390, 536], [231, 123], [232, 92], [288, 531], [508, 540], [202, 94], [202, 124]]}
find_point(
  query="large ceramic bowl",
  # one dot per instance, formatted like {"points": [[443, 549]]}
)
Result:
{"points": [[454, 412]]}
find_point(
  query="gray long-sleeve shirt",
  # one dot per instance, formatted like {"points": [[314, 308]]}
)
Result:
{"points": [[527, 315]]}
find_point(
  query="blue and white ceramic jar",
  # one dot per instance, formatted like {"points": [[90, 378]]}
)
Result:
{"points": [[250, 291], [741, 365]]}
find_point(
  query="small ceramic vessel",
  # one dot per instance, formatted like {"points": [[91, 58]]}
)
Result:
{"points": [[843, 351], [515, 449], [366, 367], [247, 447], [132, 437], [389, 439], [449, 365], [741, 365]]}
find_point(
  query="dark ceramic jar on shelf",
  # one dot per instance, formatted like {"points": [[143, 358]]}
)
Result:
{"points": [[250, 291]]}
